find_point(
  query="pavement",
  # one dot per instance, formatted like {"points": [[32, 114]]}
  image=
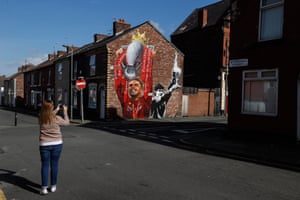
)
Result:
{"points": [[276, 152], [262, 148], [255, 147]]}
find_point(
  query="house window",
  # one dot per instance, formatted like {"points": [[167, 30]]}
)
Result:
{"points": [[40, 78], [49, 94], [59, 71], [75, 98], [32, 100], [271, 19], [92, 65], [260, 92], [66, 97], [59, 96], [92, 95], [75, 70], [32, 79], [49, 77]]}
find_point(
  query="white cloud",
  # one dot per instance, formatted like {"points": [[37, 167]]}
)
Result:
{"points": [[156, 25], [37, 60], [11, 68]]}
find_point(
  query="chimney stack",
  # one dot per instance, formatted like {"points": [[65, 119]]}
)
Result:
{"points": [[26, 67], [69, 48], [204, 17], [120, 26], [99, 37], [60, 53], [51, 56]]}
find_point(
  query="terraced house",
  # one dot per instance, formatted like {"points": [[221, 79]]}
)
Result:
{"points": [[204, 38], [134, 73], [264, 75]]}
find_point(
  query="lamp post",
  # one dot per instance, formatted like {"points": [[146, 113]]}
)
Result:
{"points": [[226, 78], [226, 32], [71, 78]]}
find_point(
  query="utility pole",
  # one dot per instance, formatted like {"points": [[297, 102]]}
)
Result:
{"points": [[72, 79]]}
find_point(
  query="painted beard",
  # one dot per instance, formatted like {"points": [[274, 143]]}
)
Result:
{"points": [[133, 92]]}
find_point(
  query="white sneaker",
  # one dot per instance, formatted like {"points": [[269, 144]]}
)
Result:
{"points": [[44, 191], [53, 188]]}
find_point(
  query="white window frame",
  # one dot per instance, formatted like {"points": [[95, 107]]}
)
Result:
{"points": [[92, 65], [271, 19], [32, 100], [265, 105]]}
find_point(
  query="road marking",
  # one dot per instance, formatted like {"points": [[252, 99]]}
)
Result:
{"points": [[153, 137], [2, 197], [168, 141], [194, 130]]}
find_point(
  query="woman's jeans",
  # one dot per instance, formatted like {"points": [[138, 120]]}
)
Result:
{"points": [[49, 157]]}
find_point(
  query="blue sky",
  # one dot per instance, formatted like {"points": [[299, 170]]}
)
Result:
{"points": [[31, 29]]}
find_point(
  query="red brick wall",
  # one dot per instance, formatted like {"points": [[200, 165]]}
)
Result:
{"points": [[201, 104], [162, 67], [20, 85]]}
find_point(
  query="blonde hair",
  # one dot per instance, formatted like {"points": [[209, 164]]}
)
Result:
{"points": [[46, 113]]}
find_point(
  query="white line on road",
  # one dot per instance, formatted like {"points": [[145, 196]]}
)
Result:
{"points": [[194, 130]]}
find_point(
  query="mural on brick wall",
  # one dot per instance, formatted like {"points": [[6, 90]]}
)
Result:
{"points": [[161, 96], [133, 80]]}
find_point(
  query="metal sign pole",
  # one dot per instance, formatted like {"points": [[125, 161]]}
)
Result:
{"points": [[80, 84], [81, 100]]}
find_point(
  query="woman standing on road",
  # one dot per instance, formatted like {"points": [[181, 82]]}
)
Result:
{"points": [[51, 142]]}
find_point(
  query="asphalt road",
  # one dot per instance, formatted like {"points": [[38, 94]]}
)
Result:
{"points": [[161, 132], [99, 164]]}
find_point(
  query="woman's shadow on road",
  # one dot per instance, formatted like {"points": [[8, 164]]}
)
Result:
{"points": [[12, 177]]}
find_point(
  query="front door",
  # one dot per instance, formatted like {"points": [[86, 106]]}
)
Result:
{"points": [[102, 101], [185, 105]]}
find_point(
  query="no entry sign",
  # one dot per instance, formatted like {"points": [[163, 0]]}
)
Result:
{"points": [[80, 84]]}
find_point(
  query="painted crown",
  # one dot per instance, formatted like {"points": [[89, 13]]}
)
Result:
{"points": [[139, 37]]}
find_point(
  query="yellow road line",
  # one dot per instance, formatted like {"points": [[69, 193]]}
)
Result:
{"points": [[2, 197]]}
